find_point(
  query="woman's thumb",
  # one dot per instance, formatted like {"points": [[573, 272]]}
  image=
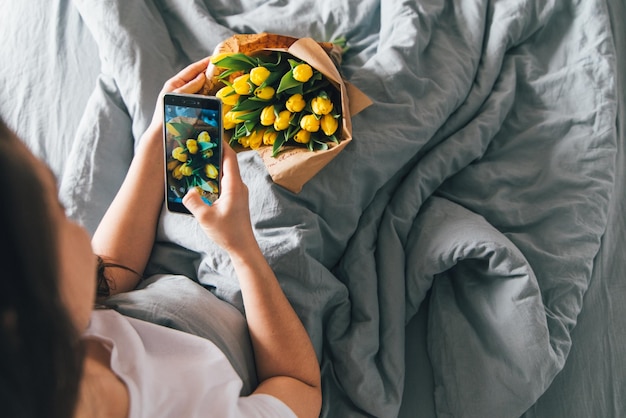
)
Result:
{"points": [[193, 201]]}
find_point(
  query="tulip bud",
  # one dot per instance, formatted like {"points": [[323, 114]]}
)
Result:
{"points": [[241, 86], [310, 123], [192, 146], [269, 137], [227, 95], [329, 124], [321, 105], [210, 171], [177, 174], [179, 154], [203, 137], [282, 121], [244, 141], [268, 116], [295, 103], [229, 120], [186, 170], [258, 75], [256, 138], [302, 72], [172, 164], [264, 93], [302, 136]]}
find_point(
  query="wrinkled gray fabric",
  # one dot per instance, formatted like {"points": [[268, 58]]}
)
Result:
{"points": [[483, 170]]}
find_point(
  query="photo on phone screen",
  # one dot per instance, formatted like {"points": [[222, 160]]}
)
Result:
{"points": [[193, 148]]}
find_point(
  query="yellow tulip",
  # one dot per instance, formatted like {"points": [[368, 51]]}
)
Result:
{"points": [[179, 154], [241, 86], [268, 116], [192, 146], [321, 105], [258, 75], [229, 120], [302, 72], [295, 103], [232, 118], [264, 93], [211, 171], [244, 141], [227, 95], [256, 139], [186, 170], [172, 164], [310, 123], [203, 137], [302, 136], [269, 137], [282, 121], [329, 124], [177, 174]]}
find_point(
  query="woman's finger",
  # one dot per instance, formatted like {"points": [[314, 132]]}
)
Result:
{"points": [[191, 73], [193, 201], [230, 165], [192, 86]]}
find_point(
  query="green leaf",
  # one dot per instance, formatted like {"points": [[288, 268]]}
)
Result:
{"points": [[278, 143], [240, 130], [236, 62], [274, 76], [250, 125], [204, 185], [184, 129], [293, 63], [251, 103], [287, 82], [223, 76], [251, 116], [204, 146], [291, 131], [320, 146]]}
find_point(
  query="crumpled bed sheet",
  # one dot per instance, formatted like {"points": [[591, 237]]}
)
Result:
{"points": [[480, 178]]}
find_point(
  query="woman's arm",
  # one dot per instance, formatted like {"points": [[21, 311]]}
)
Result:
{"points": [[286, 363], [126, 234]]}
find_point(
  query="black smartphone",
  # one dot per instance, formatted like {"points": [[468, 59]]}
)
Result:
{"points": [[192, 136]]}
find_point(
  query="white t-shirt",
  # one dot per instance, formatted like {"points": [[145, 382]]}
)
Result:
{"points": [[170, 373]]}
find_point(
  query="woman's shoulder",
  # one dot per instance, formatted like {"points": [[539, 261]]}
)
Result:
{"points": [[188, 374]]}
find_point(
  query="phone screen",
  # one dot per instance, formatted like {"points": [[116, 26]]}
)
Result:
{"points": [[192, 133]]}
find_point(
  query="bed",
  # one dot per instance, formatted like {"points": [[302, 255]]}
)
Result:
{"points": [[463, 256]]}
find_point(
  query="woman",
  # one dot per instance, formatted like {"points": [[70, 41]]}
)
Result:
{"points": [[59, 358]]}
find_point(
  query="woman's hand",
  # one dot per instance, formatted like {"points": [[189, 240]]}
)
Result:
{"points": [[286, 362], [189, 80], [227, 221]]}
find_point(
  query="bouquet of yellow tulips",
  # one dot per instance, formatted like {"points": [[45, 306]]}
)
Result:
{"points": [[283, 97], [273, 99]]}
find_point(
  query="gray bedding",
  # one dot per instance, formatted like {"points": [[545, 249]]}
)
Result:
{"points": [[480, 201]]}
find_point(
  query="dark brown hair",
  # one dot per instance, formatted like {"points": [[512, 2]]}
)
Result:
{"points": [[40, 353]]}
